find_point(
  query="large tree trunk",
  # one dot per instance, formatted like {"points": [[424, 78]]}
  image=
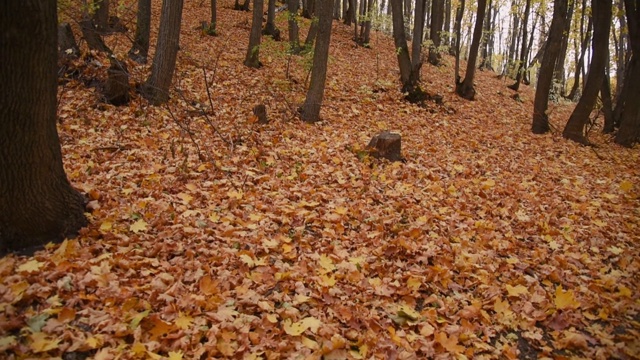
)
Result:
{"points": [[559, 73], [311, 107], [252, 59], [458, 24], [140, 48], [409, 75], [574, 130], [629, 132], [540, 124], [437, 14], [37, 202], [270, 27], [418, 30], [466, 89], [156, 88], [101, 16]]}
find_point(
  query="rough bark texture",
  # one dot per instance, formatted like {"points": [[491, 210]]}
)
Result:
{"points": [[465, 88], [580, 58], [116, 90], [311, 107], [91, 36], [156, 88], [67, 46], [386, 145], [574, 130], [607, 105], [458, 24], [629, 132], [37, 202], [409, 75], [140, 48], [540, 124], [101, 16], [252, 59], [418, 30]]}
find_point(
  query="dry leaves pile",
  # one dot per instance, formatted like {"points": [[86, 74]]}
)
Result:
{"points": [[287, 241]]}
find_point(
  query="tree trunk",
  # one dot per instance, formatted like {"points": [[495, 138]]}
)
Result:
{"points": [[252, 59], [466, 89], [270, 28], [311, 107], [540, 124], [101, 16], [91, 36], [366, 38], [156, 88], [447, 25], [458, 24], [523, 51], [629, 132], [409, 75], [418, 30], [294, 36], [574, 130], [607, 106], [583, 50], [559, 74], [140, 48], [437, 14], [37, 202], [313, 28]]}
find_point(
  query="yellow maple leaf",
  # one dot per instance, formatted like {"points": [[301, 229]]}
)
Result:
{"points": [[414, 283], [138, 226], [183, 322], [7, 342], [297, 328], [517, 290], [488, 184], [565, 299], [235, 194], [41, 343], [326, 280], [408, 312], [311, 344], [326, 263], [186, 198], [449, 343], [175, 355], [30, 266], [106, 226], [626, 185]]}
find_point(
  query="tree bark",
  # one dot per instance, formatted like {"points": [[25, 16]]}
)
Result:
{"points": [[583, 49], [311, 107], [629, 132], [101, 16], [466, 89], [37, 202], [252, 59], [140, 47], [156, 88], [270, 27], [437, 14], [523, 51], [457, 25], [418, 30], [409, 75], [540, 124], [294, 36], [574, 130]]}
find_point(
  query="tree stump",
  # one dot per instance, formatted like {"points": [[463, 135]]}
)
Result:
{"points": [[116, 90], [92, 37], [260, 111], [386, 145], [67, 46]]}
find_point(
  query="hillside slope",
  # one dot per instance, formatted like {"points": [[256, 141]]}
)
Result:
{"points": [[217, 237]]}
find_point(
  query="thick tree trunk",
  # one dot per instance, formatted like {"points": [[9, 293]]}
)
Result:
{"points": [[140, 48], [252, 59], [466, 89], [629, 132], [156, 88], [559, 74], [313, 29], [607, 106], [574, 130], [37, 202], [366, 38], [418, 30], [311, 107], [294, 36], [91, 36], [101, 16], [540, 124], [409, 75]]}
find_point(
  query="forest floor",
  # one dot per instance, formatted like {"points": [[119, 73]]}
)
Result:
{"points": [[218, 237]]}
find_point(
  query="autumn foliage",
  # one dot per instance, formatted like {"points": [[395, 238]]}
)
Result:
{"points": [[214, 236]]}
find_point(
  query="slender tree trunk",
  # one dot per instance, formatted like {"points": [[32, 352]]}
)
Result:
{"points": [[156, 88], [252, 59], [37, 202], [311, 107], [418, 30], [458, 24], [540, 124], [409, 75], [313, 28], [629, 132], [294, 37], [466, 89], [101, 16], [140, 48], [448, 39], [574, 130], [366, 38], [437, 14], [607, 106], [270, 28], [212, 30], [523, 52], [583, 49], [559, 74]]}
